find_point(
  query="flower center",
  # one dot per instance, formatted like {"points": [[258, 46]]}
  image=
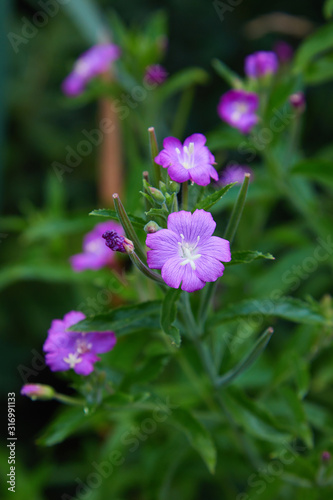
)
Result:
{"points": [[187, 158], [93, 246], [82, 346], [73, 359], [240, 109], [188, 253]]}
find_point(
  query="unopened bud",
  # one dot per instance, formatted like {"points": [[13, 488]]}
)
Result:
{"points": [[297, 101], [128, 246], [174, 187], [157, 195], [326, 456], [151, 227], [38, 391]]}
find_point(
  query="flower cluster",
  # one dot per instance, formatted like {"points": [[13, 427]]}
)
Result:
{"points": [[189, 161], [186, 252], [93, 62], [95, 255], [66, 350]]}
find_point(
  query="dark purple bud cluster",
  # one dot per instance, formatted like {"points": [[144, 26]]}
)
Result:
{"points": [[114, 241]]}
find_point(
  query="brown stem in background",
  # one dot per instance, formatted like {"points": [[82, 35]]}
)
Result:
{"points": [[110, 169]]}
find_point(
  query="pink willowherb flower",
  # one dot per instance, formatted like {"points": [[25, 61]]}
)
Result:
{"points": [[37, 391], [91, 63], [95, 255], [186, 252], [238, 108], [155, 74], [191, 161], [261, 64], [66, 350], [234, 173]]}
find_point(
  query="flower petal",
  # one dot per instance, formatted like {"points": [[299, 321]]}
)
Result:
{"points": [[198, 140], [208, 268], [215, 247], [101, 341], [164, 245], [173, 271], [180, 223], [203, 225], [86, 366], [200, 174], [178, 173], [191, 282], [171, 143]]}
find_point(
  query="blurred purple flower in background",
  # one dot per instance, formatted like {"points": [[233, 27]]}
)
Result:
{"points": [[95, 254], [261, 64], [93, 62], [155, 74], [191, 161], [284, 51], [238, 108], [66, 350], [297, 101], [234, 173], [186, 252]]}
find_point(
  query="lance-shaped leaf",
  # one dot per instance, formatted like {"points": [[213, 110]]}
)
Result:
{"points": [[227, 74], [128, 227], [169, 314], [247, 256], [237, 210], [197, 435], [112, 214], [210, 200], [248, 361], [124, 320]]}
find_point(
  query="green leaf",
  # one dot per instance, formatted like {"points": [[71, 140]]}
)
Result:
{"points": [[248, 361], [169, 314], [181, 80], [124, 320], [287, 308], [111, 214], [89, 19], [227, 74], [224, 138], [320, 41], [247, 256], [319, 71], [197, 435], [210, 200], [328, 9], [253, 417], [68, 422], [317, 169], [149, 370]]}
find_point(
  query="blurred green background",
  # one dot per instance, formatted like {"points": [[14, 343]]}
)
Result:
{"points": [[43, 220]]}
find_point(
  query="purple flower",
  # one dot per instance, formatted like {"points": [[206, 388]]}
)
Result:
{"points": [[191, 161], [284, 51], [187, 252], [261, 64], [238, 108], [37, 391], [66, 350], [234, 173], [155, 74], [91, 63], [95, 255]]}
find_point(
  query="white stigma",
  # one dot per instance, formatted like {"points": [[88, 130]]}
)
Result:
{"points": [[72, 359], [188, 252], [187, 158]]}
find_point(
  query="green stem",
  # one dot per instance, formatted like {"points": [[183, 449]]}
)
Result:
{"points": [[237, 210], [185, 195], [182, 113], [145, 270], [154, 153], [69, 400]]}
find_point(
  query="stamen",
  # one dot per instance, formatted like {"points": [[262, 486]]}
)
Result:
{"points": [[178, 151], [191, 148], [72, 359]]}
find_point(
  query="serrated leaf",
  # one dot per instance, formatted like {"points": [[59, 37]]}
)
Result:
{"points": [[247, 256], [107, 212], [124, 320], [169, 314], [197, 435], [317, 169], [287, 308], [210, 200]]}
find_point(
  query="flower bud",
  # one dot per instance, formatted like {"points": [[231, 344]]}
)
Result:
{"points": [[151, 227], [325, 456], [174, 187], [128, 246], [297, 101], [38, 391], [157, 195]]}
